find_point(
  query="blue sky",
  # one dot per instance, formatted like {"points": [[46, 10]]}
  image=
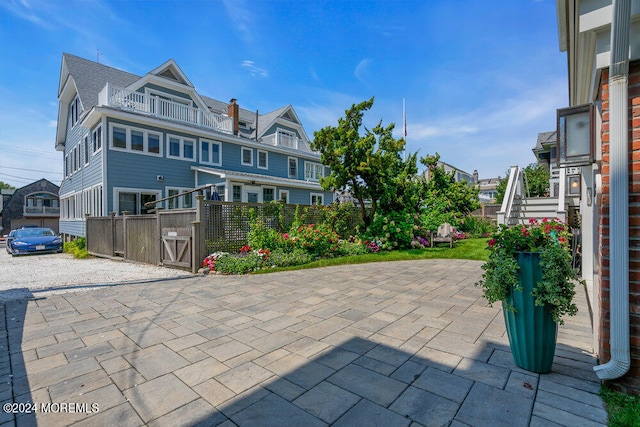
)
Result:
{"points": [[480, 78]]}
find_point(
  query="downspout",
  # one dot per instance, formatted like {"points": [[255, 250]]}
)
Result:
{"points": [[619, 195]]}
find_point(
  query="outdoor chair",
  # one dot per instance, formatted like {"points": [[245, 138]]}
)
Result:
{"points": [[445, 234]]}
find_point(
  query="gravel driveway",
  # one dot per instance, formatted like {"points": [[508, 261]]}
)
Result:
{"points": [[37, 275]]}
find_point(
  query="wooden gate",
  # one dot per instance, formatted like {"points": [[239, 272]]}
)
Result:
{"points": [[176, 247]]}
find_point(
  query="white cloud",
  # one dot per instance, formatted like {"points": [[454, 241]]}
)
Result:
{"points": [[493, 136], [241, 17], [314, 75], [421, 131], [362, 69], [254, 70], [323, 108]]}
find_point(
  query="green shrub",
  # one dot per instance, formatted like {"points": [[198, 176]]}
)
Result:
{"points": [[282, 258], [261, 236], [238, 263], [317, 240], [77, 248], [347, 248], [437, 215], [395, 230], [477, 227], [341, 218]]}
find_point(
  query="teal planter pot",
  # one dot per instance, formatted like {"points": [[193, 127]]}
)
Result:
{"points": [[531, 330]]}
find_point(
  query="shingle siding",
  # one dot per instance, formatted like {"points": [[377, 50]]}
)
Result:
{"points": [[14, 207]]}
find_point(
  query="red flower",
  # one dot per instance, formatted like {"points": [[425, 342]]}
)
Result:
{"points": [[491, 242]]}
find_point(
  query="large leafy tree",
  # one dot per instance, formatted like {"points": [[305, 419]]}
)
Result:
{"points": [[367, 162], [4, 185], [444, 198]]}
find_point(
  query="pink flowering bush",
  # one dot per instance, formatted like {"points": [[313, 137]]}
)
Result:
{"points": [[317, 240]]}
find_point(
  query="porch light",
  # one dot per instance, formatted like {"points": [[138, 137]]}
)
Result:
{"points": [[574, 185], [576, 135]]}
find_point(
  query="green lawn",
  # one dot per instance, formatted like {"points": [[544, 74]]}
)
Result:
{"points": [[623, 409], [473, 249]]}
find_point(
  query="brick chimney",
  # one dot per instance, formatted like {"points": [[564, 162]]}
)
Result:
{"points": [[233, 111]]}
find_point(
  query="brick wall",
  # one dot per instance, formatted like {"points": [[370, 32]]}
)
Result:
{"points": [[631, 381]]}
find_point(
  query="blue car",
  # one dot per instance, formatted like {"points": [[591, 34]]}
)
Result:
{"points": [[9, 239], [34, 240]]}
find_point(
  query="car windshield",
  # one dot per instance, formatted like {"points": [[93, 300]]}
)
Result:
{"points": [[34, 232]]}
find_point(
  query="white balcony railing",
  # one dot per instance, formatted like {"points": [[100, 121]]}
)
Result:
{"points": [[281, 140], [125, 99], [41, 211]]}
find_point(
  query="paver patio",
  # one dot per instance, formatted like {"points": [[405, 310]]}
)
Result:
{"points": [[399, 343]]}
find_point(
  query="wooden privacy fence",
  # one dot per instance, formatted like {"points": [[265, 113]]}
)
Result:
{"points": [[163, 238], [489, 210], [182, 238]]}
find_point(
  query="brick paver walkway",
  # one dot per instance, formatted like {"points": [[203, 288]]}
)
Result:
{"points": [[402, 343]]}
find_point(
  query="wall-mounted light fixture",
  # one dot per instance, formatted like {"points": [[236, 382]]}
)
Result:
{"points": [[576, 135], [573, 189]]}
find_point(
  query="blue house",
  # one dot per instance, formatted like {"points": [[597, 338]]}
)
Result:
{"points": [[128, 140]]}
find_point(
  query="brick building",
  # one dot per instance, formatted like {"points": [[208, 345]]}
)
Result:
{"points": [[602, 41]]}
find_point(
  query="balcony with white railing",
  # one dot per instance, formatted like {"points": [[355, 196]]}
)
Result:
{"points": [[283, 140], [30, 211], [117, 97]]}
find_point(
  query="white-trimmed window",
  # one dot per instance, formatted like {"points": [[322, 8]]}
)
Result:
{"points": [[313, 171], [293, 167], [247, 156], [287, 138], [210, 152], [74, 156], [96, 201], [316, 199], [118, 137], [182, 148], [284, 196], [137, 140], [75, 110], [86, 149], [263, 159], [268, 194], [184, 201], [92, 201], [96, 139], [68, 206], [133, 200], [236, 195]]}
